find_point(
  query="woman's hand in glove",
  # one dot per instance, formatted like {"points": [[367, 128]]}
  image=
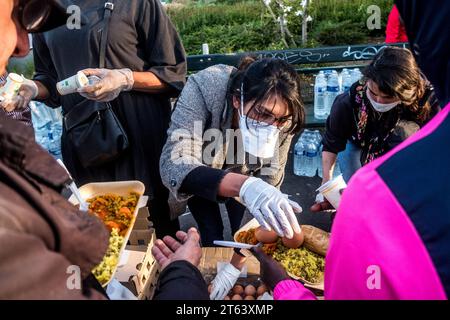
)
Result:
{"points": [[27, 92], [270, 207], [110, 85], [224, 282]]}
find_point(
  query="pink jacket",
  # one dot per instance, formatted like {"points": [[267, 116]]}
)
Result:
{"points": [[386, 244]]}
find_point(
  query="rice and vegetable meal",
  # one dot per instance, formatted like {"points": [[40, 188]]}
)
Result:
{"points": [[117, 214], [115, 211], [301, 262], [104, 271]]}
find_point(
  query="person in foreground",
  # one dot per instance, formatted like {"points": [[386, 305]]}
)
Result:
{"points": [[397, 244], [48, 247]]}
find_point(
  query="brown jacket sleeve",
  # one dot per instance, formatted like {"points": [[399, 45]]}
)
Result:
{"points": [[32, 271]]}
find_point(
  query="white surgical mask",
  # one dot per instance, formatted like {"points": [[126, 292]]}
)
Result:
{"points": [[258, 140], [382, 107]]}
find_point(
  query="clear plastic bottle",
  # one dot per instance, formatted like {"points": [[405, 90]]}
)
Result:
{"points": [[347, 80], [310, 158], [332, 91], [318, 138], [300, 164], [298, 156], [320, 88], [356, 75]]}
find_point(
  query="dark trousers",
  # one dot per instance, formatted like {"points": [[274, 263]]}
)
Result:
{"points": [[160, 213], [207, 215]]}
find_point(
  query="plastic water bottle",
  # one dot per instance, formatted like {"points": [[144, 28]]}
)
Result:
{"points": [[332, 91], [318, 139], [320, 88], [298, 156], [356, 75], [347, 80], [310, 158]]}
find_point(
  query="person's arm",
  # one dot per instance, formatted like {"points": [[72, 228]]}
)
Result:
{"points": [[167, 63], [276, 278], [227, 277], [43, 92], [328, 163], [179, 259], [148, 82], [339, 129], [52, 275], [181, 274], [45, 76]]}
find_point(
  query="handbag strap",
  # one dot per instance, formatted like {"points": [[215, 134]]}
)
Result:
{"points": [[109, 7]]}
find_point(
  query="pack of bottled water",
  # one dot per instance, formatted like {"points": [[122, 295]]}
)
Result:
{"points": [[328, 85], [308, 155], [47, 124]]}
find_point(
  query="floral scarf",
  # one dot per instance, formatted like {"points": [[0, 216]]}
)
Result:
{"points": [[373, 143]]}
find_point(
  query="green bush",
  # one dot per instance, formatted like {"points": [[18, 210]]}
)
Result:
{"points": [[227, 27], [238, 25], [332, 34]]}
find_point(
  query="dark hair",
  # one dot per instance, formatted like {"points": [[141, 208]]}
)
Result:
{"points": [[268, 77], [396, 73]]}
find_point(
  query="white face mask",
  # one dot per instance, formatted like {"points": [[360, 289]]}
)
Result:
{"points": [[382, 107], [258, 140]]}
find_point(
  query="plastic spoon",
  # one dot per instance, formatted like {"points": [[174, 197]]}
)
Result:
{"points": [[73, 187], [238, 245]]}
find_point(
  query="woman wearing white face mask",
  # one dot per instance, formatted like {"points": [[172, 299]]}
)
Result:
{"points": [[392, 102], [229, 141]]}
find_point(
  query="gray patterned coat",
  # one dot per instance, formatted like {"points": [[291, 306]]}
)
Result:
{"points": [[201, 107]]}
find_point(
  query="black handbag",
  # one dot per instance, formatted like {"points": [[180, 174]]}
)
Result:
{"points": [[92, 127]]}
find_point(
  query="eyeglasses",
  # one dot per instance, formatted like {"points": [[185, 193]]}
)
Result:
{"points": [[32, 14], [263, 116]]}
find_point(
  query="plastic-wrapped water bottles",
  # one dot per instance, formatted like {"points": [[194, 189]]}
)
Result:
{"points": [[306, 154], [310, 158], [318, 138], [47, 125], [332, 91], [320, 88]]}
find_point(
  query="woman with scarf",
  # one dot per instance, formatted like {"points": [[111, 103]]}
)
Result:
{"points": [[391, 103]]}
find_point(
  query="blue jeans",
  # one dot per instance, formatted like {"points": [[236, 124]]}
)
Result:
{"points": [[349, 160]]}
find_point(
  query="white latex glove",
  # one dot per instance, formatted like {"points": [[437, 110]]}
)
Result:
{"points": [[271, 208], [116, 291], [27, 92], [224, 282], [319, 198], [110, 85]]}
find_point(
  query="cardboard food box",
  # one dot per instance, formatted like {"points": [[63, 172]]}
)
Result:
{"points": [[121, 188], [139, 272], [316, 240], [213, 259]]}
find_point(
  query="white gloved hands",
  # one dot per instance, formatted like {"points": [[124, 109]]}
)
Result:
{"points": [[224, 282], [27, 92], [270, 207], [110, 84]]}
